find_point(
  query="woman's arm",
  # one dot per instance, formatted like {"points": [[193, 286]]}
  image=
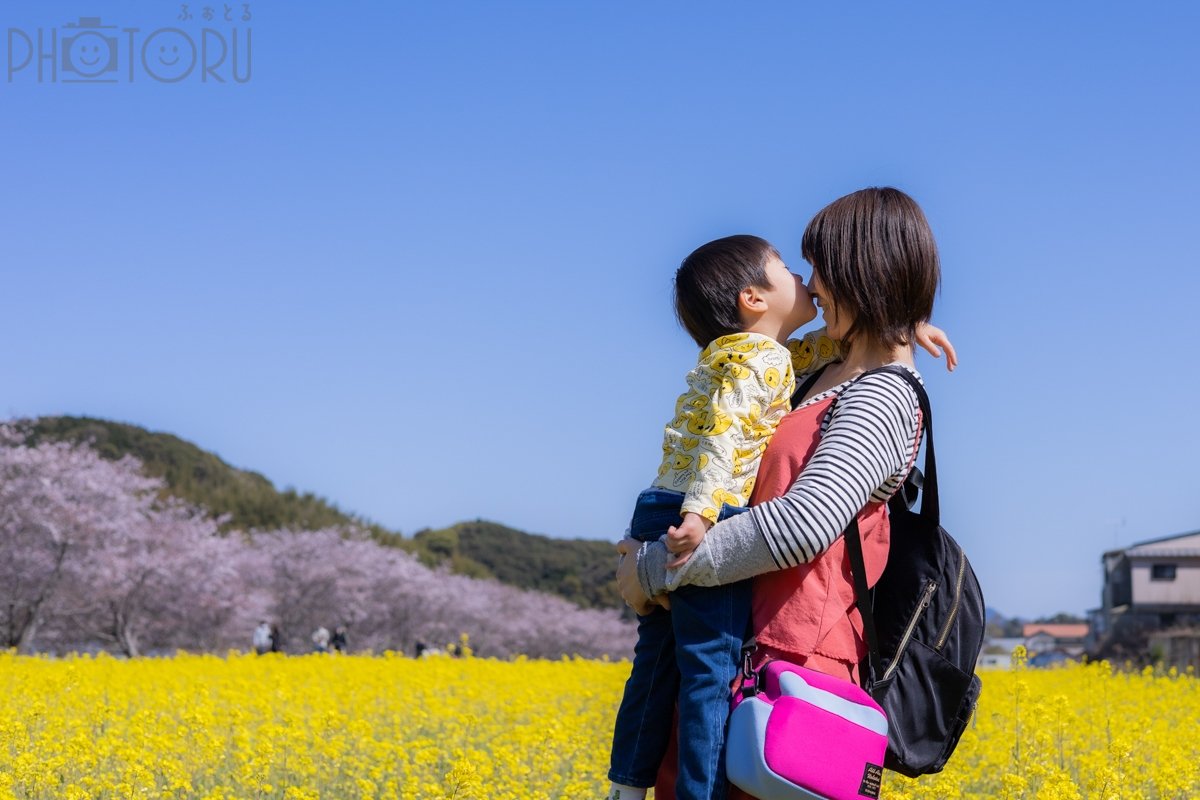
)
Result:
{"points": [[816, 349], [864, 454]]}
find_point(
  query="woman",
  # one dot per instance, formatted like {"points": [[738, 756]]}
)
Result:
{"points": [[842, 452]]}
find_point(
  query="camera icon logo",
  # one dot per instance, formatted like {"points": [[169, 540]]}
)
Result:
{"points": [[89, 52]]}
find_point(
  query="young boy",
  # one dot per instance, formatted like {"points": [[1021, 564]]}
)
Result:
{"points": [[739, 302]]}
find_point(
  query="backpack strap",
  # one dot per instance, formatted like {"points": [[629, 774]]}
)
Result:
{"points": [[872, 664], [802, 389], [930, 508]]}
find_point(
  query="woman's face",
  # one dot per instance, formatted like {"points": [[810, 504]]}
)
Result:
{"points": [[837, 323], [788, 296]]}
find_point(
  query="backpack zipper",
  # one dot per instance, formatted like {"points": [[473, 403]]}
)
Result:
{"points": [[926, 595], [945, 634]]}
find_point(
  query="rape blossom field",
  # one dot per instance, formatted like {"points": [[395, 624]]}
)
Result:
{"points": [[392, 727]]}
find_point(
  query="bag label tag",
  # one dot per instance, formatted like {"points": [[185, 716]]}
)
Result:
{"points": [[872, 780]]}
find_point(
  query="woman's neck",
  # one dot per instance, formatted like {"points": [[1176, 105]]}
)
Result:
{"points": [[866, 355], [860, 357]]}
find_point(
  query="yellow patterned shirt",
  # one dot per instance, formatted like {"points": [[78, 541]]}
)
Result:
{"points": [[738, 391]]}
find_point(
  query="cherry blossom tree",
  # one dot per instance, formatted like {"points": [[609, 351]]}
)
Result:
{"points": [[56, 500], [389, 600], [164, 579], [90, 552], [316, 579]]}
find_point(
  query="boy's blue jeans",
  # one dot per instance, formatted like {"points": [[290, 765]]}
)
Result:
{"points": [[690, 653]]}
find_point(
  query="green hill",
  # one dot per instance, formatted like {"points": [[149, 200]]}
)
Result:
{"points": [[201, 477], [579, 570]]}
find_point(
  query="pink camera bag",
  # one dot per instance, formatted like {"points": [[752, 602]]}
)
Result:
{"points": [[798, 734]]}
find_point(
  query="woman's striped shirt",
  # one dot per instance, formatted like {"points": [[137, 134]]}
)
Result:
{"points": [[866, 450]]}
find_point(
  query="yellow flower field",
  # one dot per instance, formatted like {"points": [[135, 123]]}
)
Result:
{"points": [[392, 727]]}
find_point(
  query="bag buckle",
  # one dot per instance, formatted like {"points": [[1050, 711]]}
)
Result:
{"points": [[749, 682]]}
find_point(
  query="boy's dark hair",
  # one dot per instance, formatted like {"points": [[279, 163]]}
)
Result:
{"points": [[875, 254], [708, 282]]}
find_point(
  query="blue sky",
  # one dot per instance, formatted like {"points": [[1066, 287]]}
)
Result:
{"points": [[420, 262]]}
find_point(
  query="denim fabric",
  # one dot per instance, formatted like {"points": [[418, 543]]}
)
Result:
{"points": [[689, 653]]}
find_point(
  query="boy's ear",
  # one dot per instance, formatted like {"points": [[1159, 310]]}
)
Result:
{"points": [[751, 300]]}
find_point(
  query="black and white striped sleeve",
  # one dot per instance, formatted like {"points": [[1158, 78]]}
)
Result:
{"points": [[864, 453]]}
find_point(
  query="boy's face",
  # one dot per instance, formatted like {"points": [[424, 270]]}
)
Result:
{"points": [[788, 297]]}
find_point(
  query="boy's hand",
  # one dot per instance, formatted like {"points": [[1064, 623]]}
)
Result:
{"points": [[680, 558], [930, 338], [684, 538]]}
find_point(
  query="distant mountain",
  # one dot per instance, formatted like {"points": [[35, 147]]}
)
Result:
{"points": [[577, 569], [1000, 626]]}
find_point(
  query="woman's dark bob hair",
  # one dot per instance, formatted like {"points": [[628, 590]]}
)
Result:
{"points": [[875, 254]]}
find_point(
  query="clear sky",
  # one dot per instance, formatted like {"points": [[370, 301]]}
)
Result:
{"points": [[420, 262]]}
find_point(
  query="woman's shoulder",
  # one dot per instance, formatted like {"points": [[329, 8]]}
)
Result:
{"points": [[884, 390]]}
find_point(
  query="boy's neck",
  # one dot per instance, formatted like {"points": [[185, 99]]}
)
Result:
{"points": [[769, 328]]}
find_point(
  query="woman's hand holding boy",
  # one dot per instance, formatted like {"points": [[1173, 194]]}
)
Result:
{"points": [[627, 580]]}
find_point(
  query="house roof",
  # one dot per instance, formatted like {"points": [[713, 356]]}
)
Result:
{"points": [[1058, 631], [1181, 544], [1185, 545]]}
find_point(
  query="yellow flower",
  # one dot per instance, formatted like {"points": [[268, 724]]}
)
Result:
{"points": [[394, 728]]}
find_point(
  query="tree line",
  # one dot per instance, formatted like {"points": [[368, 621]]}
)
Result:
{"points": [[96, 554], [578, 570]]}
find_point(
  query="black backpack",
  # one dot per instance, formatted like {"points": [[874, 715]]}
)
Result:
{"points": [[923, 621]]}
